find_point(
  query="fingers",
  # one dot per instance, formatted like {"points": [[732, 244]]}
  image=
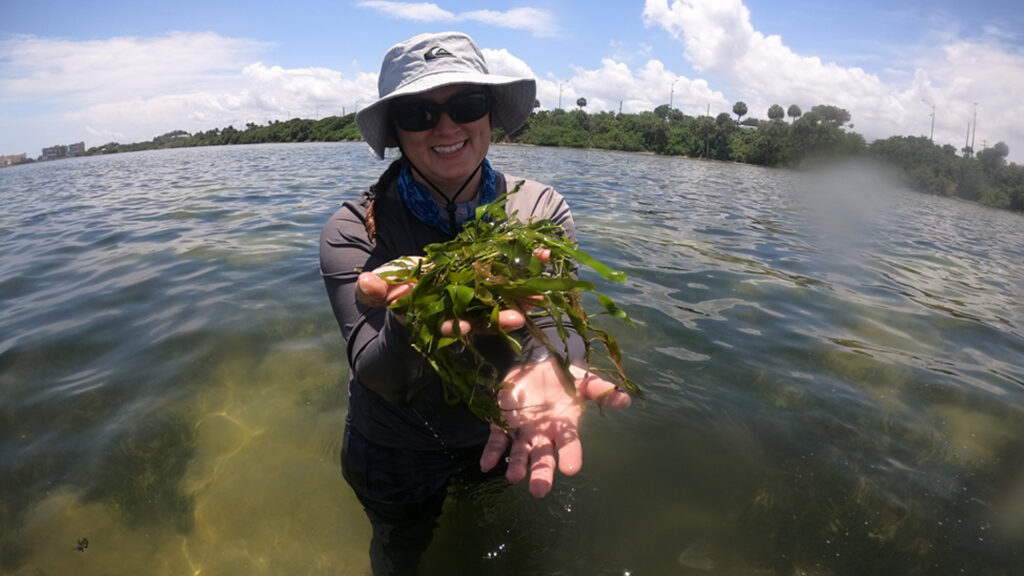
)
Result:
{"points": [[542, 254], [518, 458], [535, 457], [396, 291], [529, 302], [589, 386], [497, 442], [448, 327], [570, 451], [542, 466], [510, 319]]}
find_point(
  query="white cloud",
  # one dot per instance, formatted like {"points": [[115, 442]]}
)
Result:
{"points": [[100, 70], [964, 73], [418, 11], [258, 93], [130, 89], [714, 32], [999, 32], [302, 88], [503, 63], [537, 21], [614, 83], [718, 38]]}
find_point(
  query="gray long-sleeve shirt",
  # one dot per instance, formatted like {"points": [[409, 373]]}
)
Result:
{"points": [[395, 397]]}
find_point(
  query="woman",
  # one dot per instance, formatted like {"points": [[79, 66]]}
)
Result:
{"points": [[403, 441]]}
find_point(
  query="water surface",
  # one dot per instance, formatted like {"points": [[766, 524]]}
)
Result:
{"points": [[832, 369]]}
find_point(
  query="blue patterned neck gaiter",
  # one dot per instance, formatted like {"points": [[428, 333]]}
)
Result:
{"points": [[423, 205]]}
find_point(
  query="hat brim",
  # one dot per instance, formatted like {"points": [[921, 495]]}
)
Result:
{"points": [[512, 103]]}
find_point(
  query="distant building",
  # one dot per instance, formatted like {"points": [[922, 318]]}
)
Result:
{"points": [[62, 151], [54, 152], [12, 159]]}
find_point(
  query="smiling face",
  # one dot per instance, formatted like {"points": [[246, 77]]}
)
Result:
{"points": [[448, 153]]}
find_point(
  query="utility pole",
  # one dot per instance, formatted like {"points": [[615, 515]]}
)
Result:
{"points": [[931, 137], [671, 93], [974, 131]]}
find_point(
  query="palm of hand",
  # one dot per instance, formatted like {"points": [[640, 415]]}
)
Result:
{"points": [[543, 420]]}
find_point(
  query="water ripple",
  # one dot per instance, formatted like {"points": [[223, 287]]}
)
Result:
{"points": [[820, 353]]}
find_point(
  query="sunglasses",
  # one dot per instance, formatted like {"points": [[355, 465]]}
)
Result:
{"points": [[419, 115]]}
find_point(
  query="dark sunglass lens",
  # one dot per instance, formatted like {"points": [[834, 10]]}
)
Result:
{"points": [[416, 116], [468, 108]]}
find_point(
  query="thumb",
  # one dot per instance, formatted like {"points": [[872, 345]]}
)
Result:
{"points": [[371, 290]]}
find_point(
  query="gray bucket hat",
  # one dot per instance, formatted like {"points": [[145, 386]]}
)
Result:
{"points": [[430, 61]]}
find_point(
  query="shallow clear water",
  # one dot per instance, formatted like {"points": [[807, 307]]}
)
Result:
{"points": [[833, 374]]}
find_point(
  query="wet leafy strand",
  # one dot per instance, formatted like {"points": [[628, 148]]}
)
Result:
{"points": [[488, 267]]}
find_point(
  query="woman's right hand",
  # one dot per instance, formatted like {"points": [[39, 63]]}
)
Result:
{"points": [[374, 292]]}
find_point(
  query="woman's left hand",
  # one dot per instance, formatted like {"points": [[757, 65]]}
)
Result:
{"points": [[544, 423]]}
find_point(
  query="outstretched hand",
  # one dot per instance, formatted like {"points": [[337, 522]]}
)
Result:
{"points": [[544, 423]]}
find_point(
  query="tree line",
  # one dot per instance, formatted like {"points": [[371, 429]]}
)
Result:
{"points": [[330, 129], [823, 133]]}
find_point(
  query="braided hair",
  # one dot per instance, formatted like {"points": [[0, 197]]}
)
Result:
{"points": [[370, 195]]}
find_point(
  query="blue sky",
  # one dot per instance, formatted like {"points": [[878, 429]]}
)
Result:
{"points": [[128, 71]]}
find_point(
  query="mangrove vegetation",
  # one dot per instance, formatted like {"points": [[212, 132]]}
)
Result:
{"points": [[788, 137]]}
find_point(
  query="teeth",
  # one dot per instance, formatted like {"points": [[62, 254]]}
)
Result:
{"points": [[449, 149]]}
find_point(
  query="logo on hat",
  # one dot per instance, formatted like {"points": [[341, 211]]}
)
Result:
{"points": [[437, 52]]}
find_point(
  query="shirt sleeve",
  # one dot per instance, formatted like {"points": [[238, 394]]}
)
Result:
{"points": [[380, 356]]}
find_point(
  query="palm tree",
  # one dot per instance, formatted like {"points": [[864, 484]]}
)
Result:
{"points": [[794, 112], [739, 109]]}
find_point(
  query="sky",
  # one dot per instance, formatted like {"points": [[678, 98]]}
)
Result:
{"points": [[126, 71]]}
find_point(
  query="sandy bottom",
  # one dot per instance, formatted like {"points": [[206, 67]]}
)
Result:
{"points": [[268, 493]]}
